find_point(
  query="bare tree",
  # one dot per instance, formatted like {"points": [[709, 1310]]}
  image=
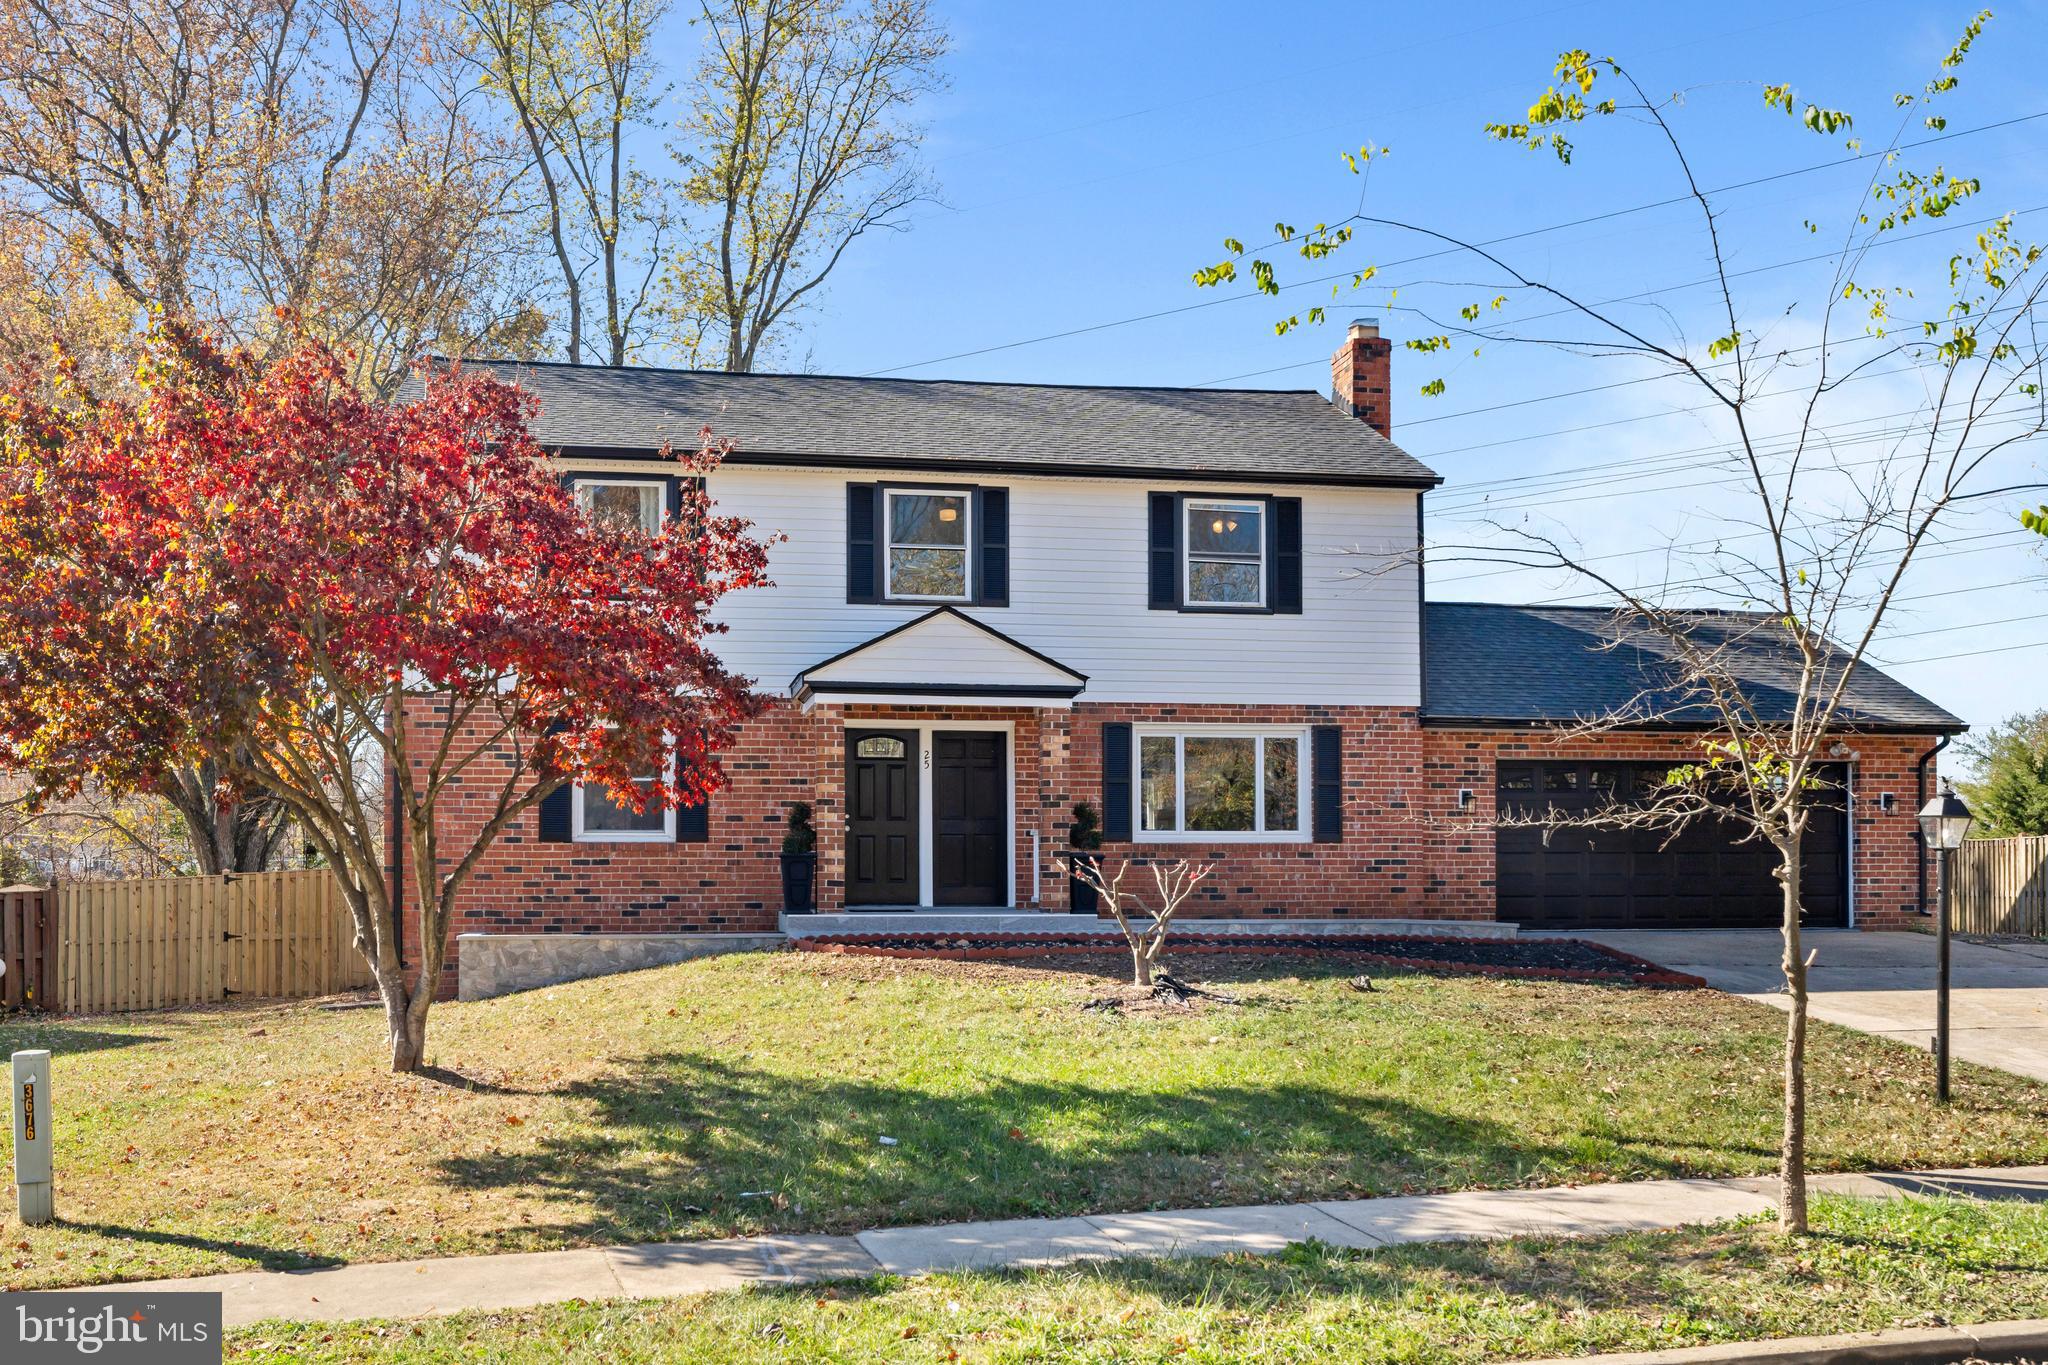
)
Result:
{"points": [[797, 143], [1830, 540], [579, 76], [1174, 882]]}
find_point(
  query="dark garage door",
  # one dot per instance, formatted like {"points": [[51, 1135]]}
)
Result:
{"points": [[1646, 879]]}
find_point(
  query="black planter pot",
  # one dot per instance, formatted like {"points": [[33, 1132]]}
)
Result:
{"points": [[1081, 897], [799, 883]]}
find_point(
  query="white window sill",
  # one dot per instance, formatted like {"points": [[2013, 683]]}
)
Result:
{"points": [[652, 836], [1219, 837]]}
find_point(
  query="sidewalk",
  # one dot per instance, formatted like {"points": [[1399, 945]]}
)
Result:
{"points": [[403, 1289]]}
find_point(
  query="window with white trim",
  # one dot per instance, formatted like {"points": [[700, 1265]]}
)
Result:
{"points": [[624, 502], [1225, 556], [596, 818], [928, 538], [1221, 784]]}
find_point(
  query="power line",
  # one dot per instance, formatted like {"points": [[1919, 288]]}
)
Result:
{"points": [[1449, 251]]}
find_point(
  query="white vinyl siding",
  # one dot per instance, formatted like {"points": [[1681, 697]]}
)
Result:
{"points": [[1078, 575]]}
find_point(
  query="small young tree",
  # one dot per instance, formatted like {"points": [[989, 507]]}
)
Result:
{"points": [[1174, 882], [258, 567], [1760, 644]]}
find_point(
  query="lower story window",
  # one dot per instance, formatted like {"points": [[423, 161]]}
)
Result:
{"points": [[1198, 782], [600, 819]]}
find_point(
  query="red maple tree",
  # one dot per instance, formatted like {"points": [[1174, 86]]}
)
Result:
{"points": [[255, 564]]}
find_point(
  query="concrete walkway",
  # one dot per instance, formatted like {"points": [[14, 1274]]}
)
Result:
{"points": [[403, 1289], [1879, 983]]}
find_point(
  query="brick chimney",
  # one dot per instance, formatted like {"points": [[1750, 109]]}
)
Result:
{"points": [[1361, 375]]}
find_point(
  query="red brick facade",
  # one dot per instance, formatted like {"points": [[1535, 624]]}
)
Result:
{"points": [[1408, 852]]}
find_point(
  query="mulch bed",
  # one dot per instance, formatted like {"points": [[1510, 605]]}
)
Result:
{"points": [[1558, 959]]}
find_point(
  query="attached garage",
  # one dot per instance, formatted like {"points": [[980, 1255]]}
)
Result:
{"points": [[1702, 877]]}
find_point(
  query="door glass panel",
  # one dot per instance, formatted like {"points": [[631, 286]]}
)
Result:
{"points": [[879, 746]]}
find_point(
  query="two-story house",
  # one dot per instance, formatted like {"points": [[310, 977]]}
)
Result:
{"points": [[1201, 611]]}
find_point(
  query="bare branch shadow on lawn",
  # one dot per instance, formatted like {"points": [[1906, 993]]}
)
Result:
{"points": [[19, 1032], [685, 1137], [265, 1257], [456, 1080]]}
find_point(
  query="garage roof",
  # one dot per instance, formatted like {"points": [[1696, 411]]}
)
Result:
{"points": [[1498, 664]]}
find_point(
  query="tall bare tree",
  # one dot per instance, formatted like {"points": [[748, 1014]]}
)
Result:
{"points": [[798, 142], [1801, 588], [222, 161], [579, 76]]}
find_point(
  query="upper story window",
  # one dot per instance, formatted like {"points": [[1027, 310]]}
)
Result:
{"points": [[929, 533], [630, 503], [1226, 553]]}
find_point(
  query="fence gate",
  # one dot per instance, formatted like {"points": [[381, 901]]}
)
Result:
{"points": [[28, 949], [163, 941]]}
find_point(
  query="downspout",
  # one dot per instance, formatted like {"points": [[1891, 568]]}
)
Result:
{"points": [[1421, 616], [1919, 800]]}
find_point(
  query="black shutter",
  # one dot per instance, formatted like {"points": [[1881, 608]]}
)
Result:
{"points": [[992, 549], [693, 823], [863, 503], [1164, 577], [1283, 556], [1116, 782], [554, 815], [1327, 784]]}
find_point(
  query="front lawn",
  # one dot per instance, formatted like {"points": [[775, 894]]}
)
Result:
{"points": [[1873, 1265], [751, 1093]]}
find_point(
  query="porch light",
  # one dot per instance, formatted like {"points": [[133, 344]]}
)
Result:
{"points": [[1945, 821], [1944, 824]]}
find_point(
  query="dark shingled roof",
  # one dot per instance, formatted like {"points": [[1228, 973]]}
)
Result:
{"points": [[1296, 436], [1500, 663]]}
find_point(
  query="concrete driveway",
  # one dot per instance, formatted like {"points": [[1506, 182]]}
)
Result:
{"points": [[1879, 983]]}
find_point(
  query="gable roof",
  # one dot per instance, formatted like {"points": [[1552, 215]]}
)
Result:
{"points": [[1292, 436], [1493, 663], [944, 652]]}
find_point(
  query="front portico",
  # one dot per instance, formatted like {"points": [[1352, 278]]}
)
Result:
{"points": [[936, 719]]}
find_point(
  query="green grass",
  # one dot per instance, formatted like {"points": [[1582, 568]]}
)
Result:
{"points": [[1873, 1265], [749, 1093]]}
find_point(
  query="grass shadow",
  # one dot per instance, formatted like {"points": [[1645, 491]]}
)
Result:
{"points": [[265, 1257], [690, 1145]]}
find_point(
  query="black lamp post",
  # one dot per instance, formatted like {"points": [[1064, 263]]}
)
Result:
{"points": [[1944, 824]]}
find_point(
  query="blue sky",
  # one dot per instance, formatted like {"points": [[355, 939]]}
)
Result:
{"points": [[1091, 156]]}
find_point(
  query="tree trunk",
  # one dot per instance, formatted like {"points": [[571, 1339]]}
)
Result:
{"points": [[1792, 1149], [408, 1035], [1141, 965]]}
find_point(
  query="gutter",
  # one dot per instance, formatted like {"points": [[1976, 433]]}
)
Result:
{"points": [[1919, 800]]}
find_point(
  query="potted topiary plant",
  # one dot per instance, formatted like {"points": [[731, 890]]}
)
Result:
{"points": [[799, 862], [1084, 837]]}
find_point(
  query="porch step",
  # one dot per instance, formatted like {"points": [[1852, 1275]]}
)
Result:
{"points": [[982, 923]]}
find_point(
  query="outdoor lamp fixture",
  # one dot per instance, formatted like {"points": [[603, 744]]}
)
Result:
{"points": [[1944, 824]]}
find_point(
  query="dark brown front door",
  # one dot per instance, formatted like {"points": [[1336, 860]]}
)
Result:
{"points": [[970, 818], [1703, 876], [881, 817]]}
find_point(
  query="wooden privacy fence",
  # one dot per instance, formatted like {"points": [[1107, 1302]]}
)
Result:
{"points": [[2000, 886], [163, 941]]}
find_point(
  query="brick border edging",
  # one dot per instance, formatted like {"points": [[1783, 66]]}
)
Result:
{"points": [[944, 947], [2003, 1341]]}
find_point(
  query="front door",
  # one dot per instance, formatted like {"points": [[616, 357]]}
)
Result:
{"points": [[882, 818], [970, 818]]}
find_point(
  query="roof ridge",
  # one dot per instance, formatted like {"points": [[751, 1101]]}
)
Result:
{"points": [[582, 367]]}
